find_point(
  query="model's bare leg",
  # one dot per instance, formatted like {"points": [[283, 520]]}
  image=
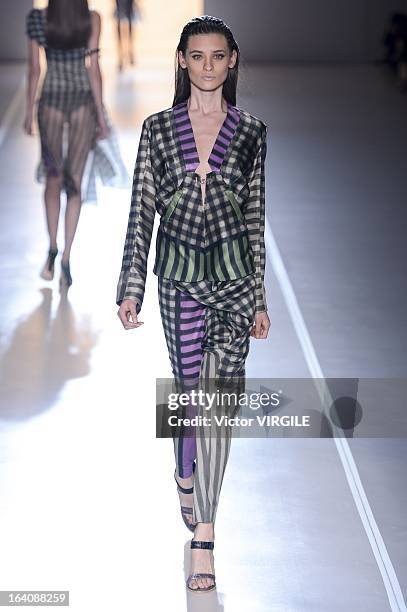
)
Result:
{"points": [[72, 212], [131, 45], [51, 123], [52, 199], [81, 134], [119, 44]]}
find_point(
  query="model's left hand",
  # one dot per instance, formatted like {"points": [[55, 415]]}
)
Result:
{"points": [[261, 325]]}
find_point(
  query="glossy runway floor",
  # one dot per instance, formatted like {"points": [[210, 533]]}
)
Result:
{"points": [[88, 501]]}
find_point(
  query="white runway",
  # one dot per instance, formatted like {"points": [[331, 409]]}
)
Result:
{"points": [[88, 501]]}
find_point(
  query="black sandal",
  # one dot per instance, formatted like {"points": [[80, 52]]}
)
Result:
{"points": [[47, 272], [186, 510], [209, 546]]}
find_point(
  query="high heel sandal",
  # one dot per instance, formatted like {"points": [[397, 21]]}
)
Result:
{"points": [[211, 587], [47, 272], [186, 510], [66, 278]]}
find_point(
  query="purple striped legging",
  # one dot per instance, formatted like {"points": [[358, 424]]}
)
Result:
{"points": [[191, 324]]}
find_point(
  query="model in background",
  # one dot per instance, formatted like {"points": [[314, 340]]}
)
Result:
{"points": [[70, 111], [200, 165], [395, 41], [127, 12]]}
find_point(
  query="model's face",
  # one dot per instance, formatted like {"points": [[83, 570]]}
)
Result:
{"points": [[207, 60]]}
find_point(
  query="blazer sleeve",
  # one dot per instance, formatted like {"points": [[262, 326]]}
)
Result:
{"points": [[133, 273], [254, 212]]}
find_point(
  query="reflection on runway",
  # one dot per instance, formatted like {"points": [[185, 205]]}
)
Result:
{"points": [[45, 352]]}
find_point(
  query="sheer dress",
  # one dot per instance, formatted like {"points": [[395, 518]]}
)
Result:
{"points": [[67, 120]]}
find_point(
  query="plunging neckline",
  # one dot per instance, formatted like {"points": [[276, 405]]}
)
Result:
{"points": [[215, 143], [188, 142]]}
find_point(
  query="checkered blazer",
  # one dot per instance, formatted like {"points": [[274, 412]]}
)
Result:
{"points": [[222, 239]]}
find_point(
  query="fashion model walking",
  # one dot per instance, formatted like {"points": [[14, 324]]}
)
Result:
{"points": [[70, 111], [127, 11], [200, 165]]}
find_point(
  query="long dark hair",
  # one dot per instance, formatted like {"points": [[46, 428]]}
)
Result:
{"points": [[68, 24], [205, 25]]}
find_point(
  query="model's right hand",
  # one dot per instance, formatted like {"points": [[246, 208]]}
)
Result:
{"points": [[128, 315], [102, 129]]}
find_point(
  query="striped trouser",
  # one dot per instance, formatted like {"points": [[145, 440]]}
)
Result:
{"points": [[207, 329]]}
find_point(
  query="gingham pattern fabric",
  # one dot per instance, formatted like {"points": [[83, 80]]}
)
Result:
{"points": [[236, 183], [67, 120], [217, 250], [208, 342]]}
